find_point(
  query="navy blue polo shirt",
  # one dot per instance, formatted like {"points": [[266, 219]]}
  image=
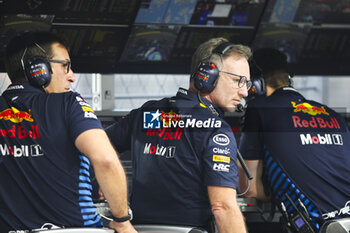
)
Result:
{"points": [[44, 178], [304, 145], [179, 146]]}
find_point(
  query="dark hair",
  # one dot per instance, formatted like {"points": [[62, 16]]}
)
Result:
{"points": [[274, 66], [30, 41]]}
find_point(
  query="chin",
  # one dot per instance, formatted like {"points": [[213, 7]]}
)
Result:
{"points": [[229, 109]]}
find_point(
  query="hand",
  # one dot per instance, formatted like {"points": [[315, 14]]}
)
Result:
{"points": [[122, 227]]}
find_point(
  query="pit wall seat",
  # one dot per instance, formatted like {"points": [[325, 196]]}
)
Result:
{"points": [[139, 228]]}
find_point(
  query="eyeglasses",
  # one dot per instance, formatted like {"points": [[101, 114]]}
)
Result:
{"points": [[241, 81], [66, 62]]}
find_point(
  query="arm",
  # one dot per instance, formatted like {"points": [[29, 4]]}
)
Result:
{"points": [[228, 216], [256, 189], [109, 172]]}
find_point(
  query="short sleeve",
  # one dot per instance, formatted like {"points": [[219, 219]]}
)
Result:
{"points": [[220, 159], [80, 115]]}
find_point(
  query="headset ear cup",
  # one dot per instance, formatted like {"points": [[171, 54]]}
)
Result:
{"points": [[290, 81], [38, 72], [206, 76], [258, 86], [263, 86]]}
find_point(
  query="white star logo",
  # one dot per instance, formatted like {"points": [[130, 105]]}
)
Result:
{"points": [[155, 115]]}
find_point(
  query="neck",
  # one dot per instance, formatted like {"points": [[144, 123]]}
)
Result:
{"points": [[270, 90], [202, 95]]}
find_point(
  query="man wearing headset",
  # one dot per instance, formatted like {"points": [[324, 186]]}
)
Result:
{"points": [[46, 131], [296, 149], [183, 152]]}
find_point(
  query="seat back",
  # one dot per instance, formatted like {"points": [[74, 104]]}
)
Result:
{"points": [[336, 226]]}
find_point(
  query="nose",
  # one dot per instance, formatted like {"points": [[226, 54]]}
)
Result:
{"points": [[71, 76], [243, 91]]}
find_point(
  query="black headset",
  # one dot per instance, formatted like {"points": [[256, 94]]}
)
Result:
{"points": [[258, 82], [37, 69], [206, 76]]}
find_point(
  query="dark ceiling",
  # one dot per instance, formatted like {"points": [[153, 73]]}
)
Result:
{"points": [[159, 36]]}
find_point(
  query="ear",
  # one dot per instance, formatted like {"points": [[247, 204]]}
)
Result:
{"points": [[206, 76], [38, 72]]}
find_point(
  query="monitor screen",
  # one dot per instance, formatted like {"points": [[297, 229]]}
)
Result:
{"points": [[150, 43], [79, 11], [160, 36], [169, 12], [323, 12], [280, 11], [308, 11], [190, 38], [326, 51], [13, 25], [226, 12], [289, 38], [94, 49]]}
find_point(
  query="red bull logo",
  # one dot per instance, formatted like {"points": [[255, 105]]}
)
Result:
{"points": [[38, 72], [19, 131], [315, 122], [16, 116], [168, 117], [252, 90], [309, 109], [166, 134], [202, 76]]}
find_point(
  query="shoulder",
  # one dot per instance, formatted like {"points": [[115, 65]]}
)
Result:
{"points": [[322, 108], [71, 98], [72, 104], [63, 97], [154, 104]]}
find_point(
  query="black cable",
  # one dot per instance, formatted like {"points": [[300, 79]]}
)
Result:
{"points": [[245, 168]]}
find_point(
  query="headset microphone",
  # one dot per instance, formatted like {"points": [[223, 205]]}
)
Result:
{"points": [[239, 108]]}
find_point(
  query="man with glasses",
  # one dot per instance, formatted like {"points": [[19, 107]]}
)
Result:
{"points": [[49, 138], [297, 150], [183, 152]]}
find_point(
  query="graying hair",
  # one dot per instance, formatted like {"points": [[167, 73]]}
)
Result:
{"points": [[204, 53]]}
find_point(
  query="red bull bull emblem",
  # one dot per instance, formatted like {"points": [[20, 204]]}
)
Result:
{"points": [[309, 109], [168, 117], [16, 116]]}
